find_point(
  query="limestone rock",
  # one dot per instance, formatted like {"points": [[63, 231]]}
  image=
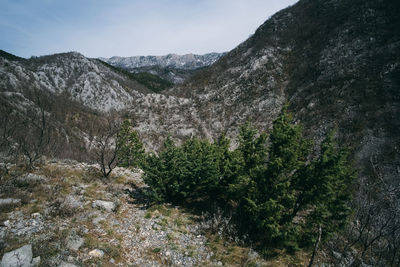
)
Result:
{"points": [[105, 205], [36, 261], [30, 179], [21, 257], [75, 242], [97, 253], [9, 201], [72, 202], [66, 264]]}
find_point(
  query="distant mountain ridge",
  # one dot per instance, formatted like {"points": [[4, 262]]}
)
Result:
{"points": [[187, 61], [172, 67], [335, 63]]}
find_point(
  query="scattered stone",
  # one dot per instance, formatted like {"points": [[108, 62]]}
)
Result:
{"points": [[36, 261], [98, 219], [75, 242], [66, 264], [36, 215], [21, 257], [30, 179], [97, 253], [252, 255], [105, 205], [9, 201], [21, 225], [72, 202], [7, 223]]}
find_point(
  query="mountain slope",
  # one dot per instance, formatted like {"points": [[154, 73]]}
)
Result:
{"points": [[172, 67], [188, 61], [337, 65], [86, 81], [334, 62]]}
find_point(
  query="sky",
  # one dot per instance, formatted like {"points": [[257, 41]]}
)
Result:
{"points": [[105, 28]]}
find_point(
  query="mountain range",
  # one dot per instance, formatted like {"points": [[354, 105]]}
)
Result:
{"points": [[172, 67], [335, 63]]}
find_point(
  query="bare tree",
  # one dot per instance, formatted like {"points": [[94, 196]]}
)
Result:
{"points": [[34, 140], [8, 126], [373, 236], [106, 147]]}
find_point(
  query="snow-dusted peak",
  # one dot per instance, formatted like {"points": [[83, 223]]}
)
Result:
{"points": [[186, 62]]}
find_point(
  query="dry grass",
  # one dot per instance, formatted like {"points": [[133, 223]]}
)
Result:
{"points": [[232, 254]]}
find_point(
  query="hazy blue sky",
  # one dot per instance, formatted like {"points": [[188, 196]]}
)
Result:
{"points": [[104, 28]]}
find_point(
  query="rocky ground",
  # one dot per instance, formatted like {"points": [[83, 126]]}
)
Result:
{"points": [[64, 214]]}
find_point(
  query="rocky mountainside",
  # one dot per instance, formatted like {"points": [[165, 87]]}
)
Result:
{"points": [[172, 67], [188, 61], [336, 63], [86, 81]]}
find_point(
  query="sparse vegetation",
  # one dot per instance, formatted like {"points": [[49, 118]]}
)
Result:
{"points": [[151, 81]]}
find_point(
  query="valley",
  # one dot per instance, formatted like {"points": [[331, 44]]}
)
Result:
{"points": [[334, 64]]}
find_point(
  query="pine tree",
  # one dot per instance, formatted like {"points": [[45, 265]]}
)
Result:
{"points": [[289, 151], [201, 182], [163, 172], [253, 153], [231, 165], [131, 152], [329, 189], [280, 194], [272, 195]]}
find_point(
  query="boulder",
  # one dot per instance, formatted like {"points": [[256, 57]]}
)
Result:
{"points": [[96, 253], [72, 202], [66, 264], [75, 242], [36, 261], [9, 201], [105, 205], [21, 257]]}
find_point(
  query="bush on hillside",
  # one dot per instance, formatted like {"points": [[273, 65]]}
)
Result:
{"points": [[280, 195]]}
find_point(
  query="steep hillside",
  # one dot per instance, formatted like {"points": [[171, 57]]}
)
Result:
{"points": [[67, 93], [86, 81], [337, 65], [335, 62]]}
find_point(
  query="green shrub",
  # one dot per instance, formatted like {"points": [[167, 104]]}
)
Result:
{"points": [[278, 191], [131, 151]]}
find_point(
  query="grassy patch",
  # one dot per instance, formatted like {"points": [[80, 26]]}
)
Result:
{"points": [[120, 180], [92, 191], [232, 254], [148, 215]]}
